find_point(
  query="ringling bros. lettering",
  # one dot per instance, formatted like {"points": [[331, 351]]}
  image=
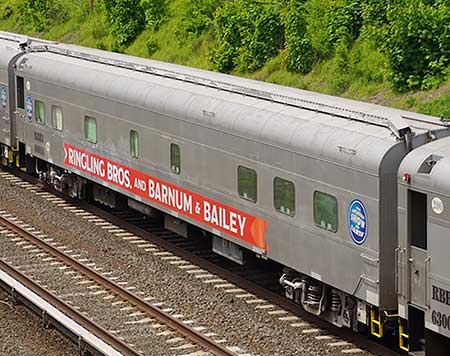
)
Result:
{"points": [[224, 218]]}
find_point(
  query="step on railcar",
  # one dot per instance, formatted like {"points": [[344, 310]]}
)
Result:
{"points": [[303, 179]]}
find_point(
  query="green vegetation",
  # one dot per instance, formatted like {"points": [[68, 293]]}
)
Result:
{"points": [[393, 52]]}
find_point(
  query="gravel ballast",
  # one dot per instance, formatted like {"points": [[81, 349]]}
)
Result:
{"points": [[21, 333], [253, 330]]}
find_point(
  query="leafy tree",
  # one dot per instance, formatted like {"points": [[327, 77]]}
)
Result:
{"points": [[127, 20], [247, 35], [418, 43], [315, 29], [198, 17], [230, 22], [155, 12], [300, 55], [40, 14], [266, 39], [330, 22]]}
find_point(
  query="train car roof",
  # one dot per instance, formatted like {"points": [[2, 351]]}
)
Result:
{"points": [[429, 167], [7, 50], [12, 44], [340, 131], [266, 88]]}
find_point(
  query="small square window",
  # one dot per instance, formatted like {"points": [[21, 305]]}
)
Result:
{"points": [[175, 159], [326, 211], [90, 129], [134, 144], [247, 183], [40, 112], [57, 118], [284, 196]]}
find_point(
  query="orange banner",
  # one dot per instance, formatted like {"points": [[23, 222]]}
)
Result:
{"points": [[214, 214]]}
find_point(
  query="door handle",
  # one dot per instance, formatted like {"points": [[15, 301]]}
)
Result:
{"points": [[397, 270], [401, 272], [427, 271]]}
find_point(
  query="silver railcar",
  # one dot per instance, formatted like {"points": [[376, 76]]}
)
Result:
{"points": [[304, 179]]}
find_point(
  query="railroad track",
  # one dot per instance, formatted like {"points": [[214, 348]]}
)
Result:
{"points": [[31, 258], [258, 283], [192, 257]]}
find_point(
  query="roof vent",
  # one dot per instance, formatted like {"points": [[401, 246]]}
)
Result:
{"points": [[428, 165]]}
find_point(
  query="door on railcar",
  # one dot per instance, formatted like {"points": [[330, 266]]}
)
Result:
{"points": [[418, 248], [4, 113], [4, 108], [418, 269], [425, 339]]}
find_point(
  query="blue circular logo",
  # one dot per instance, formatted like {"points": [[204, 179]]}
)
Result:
{"points": [[357, 222], [3, 96], [29, 108]]}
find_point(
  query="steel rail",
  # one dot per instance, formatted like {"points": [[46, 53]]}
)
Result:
{"points": [[183, 329], [70, 312]]}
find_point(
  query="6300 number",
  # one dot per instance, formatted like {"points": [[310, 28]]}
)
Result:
{"points": [[440, 319]]}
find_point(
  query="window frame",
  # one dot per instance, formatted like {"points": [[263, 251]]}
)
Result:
{"points": [[86, 119], [337, 211], [20, 92], [37, 103], [290, 214], [134, 151], [242, 196], [172, 145], [54, 107]]}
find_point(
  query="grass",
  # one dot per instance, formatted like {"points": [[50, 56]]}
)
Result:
{"points": [[359, 73]]}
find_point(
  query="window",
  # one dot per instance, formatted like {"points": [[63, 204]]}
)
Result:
{"points": [[326, 211], [40, 112], [20, 93], [247, 183], [175, 159], [57, 118], [134, 144], [90, 129], [284, 196]]}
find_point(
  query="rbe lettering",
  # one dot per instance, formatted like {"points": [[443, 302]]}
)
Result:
{"points": [[441, 295]]}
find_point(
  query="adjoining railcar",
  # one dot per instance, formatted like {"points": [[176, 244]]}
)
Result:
{"points": [[9, 48], [12, 47], [423, 270], [293, 176]]}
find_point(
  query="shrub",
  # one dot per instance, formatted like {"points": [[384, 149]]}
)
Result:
{"points": [[101, 45], [198, 16], [152, 46], [6, 12], [418, 43], [300, 55], [155, 12], [40, 14], [247, 35], [127, 20]]}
